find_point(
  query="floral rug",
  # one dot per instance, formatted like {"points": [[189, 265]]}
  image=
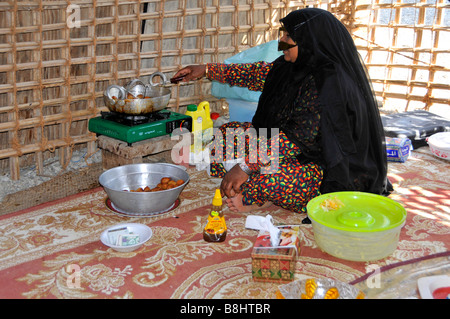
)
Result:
{"points": [[54, 250]]}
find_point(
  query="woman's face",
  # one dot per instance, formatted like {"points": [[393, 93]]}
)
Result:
{"points": [[290, 55]]}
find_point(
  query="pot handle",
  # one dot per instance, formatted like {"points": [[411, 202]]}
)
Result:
{"points": [[163, 77], [119, 89], [133, 83]]}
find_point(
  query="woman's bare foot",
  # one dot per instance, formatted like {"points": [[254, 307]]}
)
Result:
{"points": [[235, 205]]}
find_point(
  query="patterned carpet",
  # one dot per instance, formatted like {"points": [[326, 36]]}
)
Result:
{"points": [[53, 250]]}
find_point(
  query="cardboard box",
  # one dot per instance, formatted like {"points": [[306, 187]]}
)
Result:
{"points": [[276, 264], [398, 149]]}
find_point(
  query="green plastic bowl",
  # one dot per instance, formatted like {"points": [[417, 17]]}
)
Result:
{"points": [[361, 227]]}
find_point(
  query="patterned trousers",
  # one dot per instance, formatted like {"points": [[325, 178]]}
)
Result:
{"points": [[290, 186]]}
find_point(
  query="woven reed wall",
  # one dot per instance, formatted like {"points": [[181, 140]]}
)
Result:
{"points": [[57, 57], [406, 46]]}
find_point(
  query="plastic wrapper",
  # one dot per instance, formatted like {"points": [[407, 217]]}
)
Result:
{"points": [[398, 149]]}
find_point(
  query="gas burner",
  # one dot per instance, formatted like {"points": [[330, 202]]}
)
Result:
{"points": [[134, 128], [132, 120]]}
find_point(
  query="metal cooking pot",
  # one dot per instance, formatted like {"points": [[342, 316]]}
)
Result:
{"points": [[118, 182], [138, 98]]}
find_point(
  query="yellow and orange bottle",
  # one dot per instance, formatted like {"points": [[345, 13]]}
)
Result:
{"points": [[216, 228]]}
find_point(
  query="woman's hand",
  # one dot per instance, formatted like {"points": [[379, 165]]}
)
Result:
{"points": [[190, 73], [232, 182]]}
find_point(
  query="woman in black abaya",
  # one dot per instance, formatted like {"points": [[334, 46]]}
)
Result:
{"points": [[319, 97]]}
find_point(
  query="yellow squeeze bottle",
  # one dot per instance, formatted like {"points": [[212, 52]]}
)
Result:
{"points": [[216, 228], [202, 127]]}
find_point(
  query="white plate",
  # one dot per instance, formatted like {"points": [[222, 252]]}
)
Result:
{"points": [[145, 233], [427, 285]]}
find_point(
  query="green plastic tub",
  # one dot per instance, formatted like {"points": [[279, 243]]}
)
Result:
{"points": [[355, 225]]}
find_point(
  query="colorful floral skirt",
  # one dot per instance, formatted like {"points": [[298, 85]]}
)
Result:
{"points": [[291, 186]]}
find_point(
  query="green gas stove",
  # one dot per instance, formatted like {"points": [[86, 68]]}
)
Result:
{"points": [[134, 128]]}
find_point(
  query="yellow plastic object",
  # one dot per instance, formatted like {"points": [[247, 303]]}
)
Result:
{"points": [[202, 125], [217, 199], [355, 225]]}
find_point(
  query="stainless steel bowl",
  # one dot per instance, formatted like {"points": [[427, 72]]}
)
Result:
{"points": [[118, 182]]}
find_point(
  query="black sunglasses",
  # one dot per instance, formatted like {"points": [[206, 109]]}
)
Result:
{"points": [[283, 45]]}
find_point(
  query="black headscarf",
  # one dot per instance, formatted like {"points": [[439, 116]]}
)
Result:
{"points": [[351, 146]]}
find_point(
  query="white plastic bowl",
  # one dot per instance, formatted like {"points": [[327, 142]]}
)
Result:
{"points": [[439, 144], [145, 233], [356, 246]]}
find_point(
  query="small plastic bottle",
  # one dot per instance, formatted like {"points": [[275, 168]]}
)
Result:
{"points": [[216, 228]]}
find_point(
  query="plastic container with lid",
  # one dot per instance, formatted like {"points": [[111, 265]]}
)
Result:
{"points": [[439, 144], [356, 226]]}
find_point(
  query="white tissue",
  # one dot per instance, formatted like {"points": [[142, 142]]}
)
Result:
{"points": [[264, 224]]}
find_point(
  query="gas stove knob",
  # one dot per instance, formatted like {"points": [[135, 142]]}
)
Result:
{"points": [[187, 124]]}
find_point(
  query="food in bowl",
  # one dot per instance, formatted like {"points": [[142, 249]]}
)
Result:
{"points": [[331, 204], [366, 227], [166, 183], [134, 176]]}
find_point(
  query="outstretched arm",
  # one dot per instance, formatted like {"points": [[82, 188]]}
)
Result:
{"points": [[190, 73], [250, 75]]}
